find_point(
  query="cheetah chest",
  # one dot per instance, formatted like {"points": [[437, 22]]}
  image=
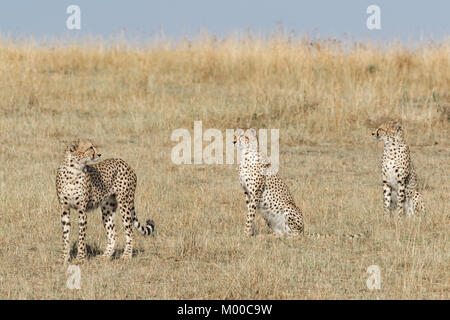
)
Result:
{"points": [[72, 193], [246, 174], [76, 192], [274, 215], [391, 176]]}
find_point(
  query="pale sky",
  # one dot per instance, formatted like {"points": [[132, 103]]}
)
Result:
{"points": [[400, 19]]}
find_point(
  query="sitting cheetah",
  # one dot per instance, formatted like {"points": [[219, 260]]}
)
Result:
{"points": [[110, 184], [399, 177], [266, 192]]}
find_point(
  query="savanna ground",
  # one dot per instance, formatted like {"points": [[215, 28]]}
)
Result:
{"points": [[325, 99]]}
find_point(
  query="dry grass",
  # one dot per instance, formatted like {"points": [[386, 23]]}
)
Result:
{"points": [[324, 98]]}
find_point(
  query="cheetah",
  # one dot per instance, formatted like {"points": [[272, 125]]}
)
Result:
{"points": [[400, 187], [267, 193], [110, 184]]}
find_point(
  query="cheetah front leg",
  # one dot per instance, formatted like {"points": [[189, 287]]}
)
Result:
{"points": [[387, 194], [82, 223], [254, 196], [65, 221], [401, 197], [108, 210], [250, 219]]}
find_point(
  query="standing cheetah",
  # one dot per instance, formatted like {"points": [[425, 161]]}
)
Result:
{"points": [[267, 193], [110, 184], [399, 177]]}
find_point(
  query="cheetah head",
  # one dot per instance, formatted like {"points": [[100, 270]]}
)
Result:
{"points": [[83, 151], [245, 139], [388, 129]]}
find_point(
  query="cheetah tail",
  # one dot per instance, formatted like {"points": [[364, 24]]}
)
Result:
{"points": [[147, 230], [316, 235], [322, 236], [354, 236]]}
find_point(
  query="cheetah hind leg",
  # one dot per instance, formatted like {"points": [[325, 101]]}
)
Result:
{"points": [[415, 204], [125, 210], [418, 203], [108, 213], [294, 220]]}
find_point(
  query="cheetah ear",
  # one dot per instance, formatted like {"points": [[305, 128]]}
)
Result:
{"points": [[238, 132], [398, 126], [73, 145], [252, 131]]}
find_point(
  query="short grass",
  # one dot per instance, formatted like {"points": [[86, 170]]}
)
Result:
{"points": [[324, 98]]}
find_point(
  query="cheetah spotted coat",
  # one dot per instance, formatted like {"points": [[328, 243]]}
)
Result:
{"points": [[400, 188], [109, 184], [265, 191]]}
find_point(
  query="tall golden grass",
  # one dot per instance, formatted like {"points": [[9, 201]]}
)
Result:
{"points": [[328, 86], [323, 95]]}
